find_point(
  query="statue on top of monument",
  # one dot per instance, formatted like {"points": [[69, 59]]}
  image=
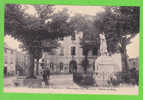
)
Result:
{"points": [[103, 45]]}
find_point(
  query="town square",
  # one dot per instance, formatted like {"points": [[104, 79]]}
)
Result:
{"points": [[71, 47]]}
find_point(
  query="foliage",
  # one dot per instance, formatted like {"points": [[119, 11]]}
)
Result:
{"points": [[90, 40], [120, 25], [130, 77], [83, 78], [27, 28], [32, 29], [85, 23]]}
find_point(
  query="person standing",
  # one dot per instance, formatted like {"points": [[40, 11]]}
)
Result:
{"points": [[46, 75]]}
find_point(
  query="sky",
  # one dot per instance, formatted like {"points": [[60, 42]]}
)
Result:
{"points": [[88, 10], [12, 43], [132, 49], [84, 10]]}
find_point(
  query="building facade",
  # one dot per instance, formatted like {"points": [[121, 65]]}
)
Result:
{"points": [[22, 63], [9, 60], [14, 61], [68, 54]]}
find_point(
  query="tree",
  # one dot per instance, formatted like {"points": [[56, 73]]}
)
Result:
{"points": [[90, 40], [31, 30], [120, 25]]}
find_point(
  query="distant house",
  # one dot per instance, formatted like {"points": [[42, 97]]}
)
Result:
{"points": [[9, 60], [22, 62], [14, 61]]}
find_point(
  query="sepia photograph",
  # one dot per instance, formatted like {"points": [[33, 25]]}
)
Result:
{"points": [[71, 49]]}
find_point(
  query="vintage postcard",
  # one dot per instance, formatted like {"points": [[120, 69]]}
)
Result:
{"points": [[71, 49]]}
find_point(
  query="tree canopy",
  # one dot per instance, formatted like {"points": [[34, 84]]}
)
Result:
{"points": [[120, 25], [26, 28], [31, 30]]}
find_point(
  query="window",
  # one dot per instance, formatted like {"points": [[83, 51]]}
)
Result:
{"points": [[61, 66], [94, 66], [62, 51], [52, 66], [73, 51], [73, 37], [84, 52]]}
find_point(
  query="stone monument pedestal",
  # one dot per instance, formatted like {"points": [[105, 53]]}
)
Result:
{"points": [[106, 66], [105, 70]]}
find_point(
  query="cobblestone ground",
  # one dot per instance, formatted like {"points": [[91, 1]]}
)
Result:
{"points": [[9, 81], [55, 81], [62, 81]]}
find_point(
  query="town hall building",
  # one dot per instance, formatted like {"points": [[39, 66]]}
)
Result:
{"points": [[69, 53]]}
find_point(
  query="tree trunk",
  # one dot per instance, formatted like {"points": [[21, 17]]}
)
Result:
{"points": [[86, 62], [31, 67], [124, 57], [124, 62]]}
